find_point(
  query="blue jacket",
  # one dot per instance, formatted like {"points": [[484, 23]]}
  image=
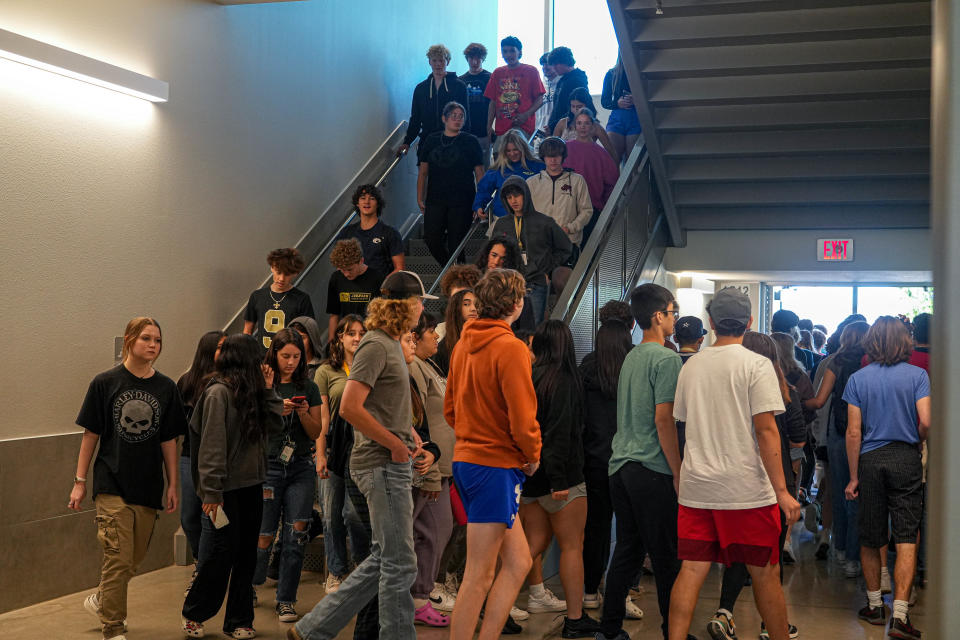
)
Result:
{"points": [[492, 180]]}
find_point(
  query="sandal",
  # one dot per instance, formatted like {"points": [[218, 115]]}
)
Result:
{"points": [[431, 617]]}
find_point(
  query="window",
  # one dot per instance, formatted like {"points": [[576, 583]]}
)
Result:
{"points": [[523, 19]]}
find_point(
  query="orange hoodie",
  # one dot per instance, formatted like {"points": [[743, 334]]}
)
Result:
{"points": [[490, 401]]}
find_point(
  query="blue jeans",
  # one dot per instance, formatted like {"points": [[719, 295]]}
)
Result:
{"points": [[190, 512], [846, 533], [288, 490], [339, 516], [389, 570], [538, 295]]}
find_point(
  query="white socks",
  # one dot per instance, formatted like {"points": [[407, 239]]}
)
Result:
{"points": [[537, 590], [900, 609], [874, 599]]}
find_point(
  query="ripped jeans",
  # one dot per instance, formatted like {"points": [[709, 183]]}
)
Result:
{"points": [[287, 491]]}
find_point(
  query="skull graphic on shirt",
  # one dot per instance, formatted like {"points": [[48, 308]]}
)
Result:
{"points": [[136, 415]]}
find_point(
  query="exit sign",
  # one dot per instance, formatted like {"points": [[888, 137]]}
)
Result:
{"points": [[835, 250]]}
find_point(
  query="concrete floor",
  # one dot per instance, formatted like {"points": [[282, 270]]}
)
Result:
{"points": [[822, 603]]}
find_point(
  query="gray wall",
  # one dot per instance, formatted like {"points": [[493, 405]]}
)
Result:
{"points": [[113, 207]]}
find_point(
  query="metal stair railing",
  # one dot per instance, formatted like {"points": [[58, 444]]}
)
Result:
{"points": [[317, 241], [626, 244]]}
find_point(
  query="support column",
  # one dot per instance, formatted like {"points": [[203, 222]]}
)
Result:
{"points": [[944, 445]]}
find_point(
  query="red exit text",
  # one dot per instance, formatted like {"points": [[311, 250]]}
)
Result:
{"points": [[831, 250]]}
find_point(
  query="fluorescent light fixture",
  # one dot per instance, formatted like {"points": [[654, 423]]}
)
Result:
{"points": [[41, 55]]}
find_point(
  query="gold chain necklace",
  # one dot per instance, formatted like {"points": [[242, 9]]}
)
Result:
{"points": [[276, 303]]}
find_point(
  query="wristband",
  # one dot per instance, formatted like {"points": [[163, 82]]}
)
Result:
{"points": [[77, 479]]}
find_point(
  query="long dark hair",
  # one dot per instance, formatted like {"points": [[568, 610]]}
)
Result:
{"points": [[613, 344], [764, 345], [281, 339], [580, 94], [191, 383], [511, 259], [554, 352], [833, 342], [335, 348], [454, 318], [238, 367]]}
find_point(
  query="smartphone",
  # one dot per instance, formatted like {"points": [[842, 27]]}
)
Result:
{"points": [[298, 399]]}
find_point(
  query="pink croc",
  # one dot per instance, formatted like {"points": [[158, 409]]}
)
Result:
{"points": [[431, 617]]}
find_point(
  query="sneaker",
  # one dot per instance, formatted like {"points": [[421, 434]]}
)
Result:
{"points": [[903, 630], [547, 603], [633, 612], [286, 612], [811, 516], [241, 633], [851, 568], [884, 583], [119, 637], [592, 600], [623, 635], [332, 583], [791, 630], [519, 614], [429, 616], [721, 627], [440, 599], [193, 579], [585, 627], [92, 604], [452, 585], [192, 629], [787, 554], [511, 628], [873, 615]]}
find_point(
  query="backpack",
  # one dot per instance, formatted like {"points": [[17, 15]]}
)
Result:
{"points": [[849, 365]]}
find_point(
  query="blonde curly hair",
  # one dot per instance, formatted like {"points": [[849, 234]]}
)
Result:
{"points": [[438, 51], [395, 317], [346, 253]]}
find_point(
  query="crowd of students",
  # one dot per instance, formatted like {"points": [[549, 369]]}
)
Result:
{"points": [[446, 456]]}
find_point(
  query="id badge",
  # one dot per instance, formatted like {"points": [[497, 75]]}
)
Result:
{"points": [[286, 454], [523, 256]]}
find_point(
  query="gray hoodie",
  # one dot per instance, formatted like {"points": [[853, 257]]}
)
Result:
{"points": [[546, 245], [221, 457], [316, 342]]}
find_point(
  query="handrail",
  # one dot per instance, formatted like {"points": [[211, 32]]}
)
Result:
{"points": [[569, 299], [310, 238], [478, 223]]}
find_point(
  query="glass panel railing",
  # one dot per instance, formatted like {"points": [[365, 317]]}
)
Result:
{"points": [[316, 243]]}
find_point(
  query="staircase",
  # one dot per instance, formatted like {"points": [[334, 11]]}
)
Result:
{"points": [[780, 114]]}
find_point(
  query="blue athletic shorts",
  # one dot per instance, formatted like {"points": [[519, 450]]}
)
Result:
{"points": [[624, 121], [489, 494]]}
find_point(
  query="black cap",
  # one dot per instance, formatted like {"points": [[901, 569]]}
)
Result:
{"points": [[689, 329], [400, 285]]}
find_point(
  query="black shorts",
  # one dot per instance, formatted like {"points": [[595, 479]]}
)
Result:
{"points": [[890, 491]]}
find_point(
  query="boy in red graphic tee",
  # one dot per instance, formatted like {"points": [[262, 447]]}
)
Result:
{"points": [[515, 92]]}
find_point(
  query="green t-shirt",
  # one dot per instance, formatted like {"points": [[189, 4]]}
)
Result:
{"points": [[648, 378], [331, 383], [291, 423]]}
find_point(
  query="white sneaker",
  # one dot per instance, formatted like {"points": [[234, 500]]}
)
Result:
{"points": [[633, 611], [518, 614], [592, 600], [885, 583], [119, 637], [452, 585], [332, 583], [92, 604], [547, 603], [440, 599]]}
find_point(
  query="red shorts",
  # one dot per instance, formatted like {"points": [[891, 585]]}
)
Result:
{"points": [[751, 536]]}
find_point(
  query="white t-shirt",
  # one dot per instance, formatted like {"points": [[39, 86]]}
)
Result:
{"points": [[719, 391]]}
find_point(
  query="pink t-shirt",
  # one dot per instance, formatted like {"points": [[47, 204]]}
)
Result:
{"points": [[513, 90], [596, 166]]}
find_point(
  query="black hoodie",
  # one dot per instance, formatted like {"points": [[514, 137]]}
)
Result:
{"points": [[599, 416], [428, 103], [541, 238], [561, 99]]}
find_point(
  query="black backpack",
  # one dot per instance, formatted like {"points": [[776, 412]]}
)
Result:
{"points": [[849, 365]]}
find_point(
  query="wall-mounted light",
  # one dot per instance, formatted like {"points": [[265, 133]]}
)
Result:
{"points": [[41, 55]]}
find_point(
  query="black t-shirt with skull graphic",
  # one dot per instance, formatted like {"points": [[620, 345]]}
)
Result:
{"points": [[132, 416]]}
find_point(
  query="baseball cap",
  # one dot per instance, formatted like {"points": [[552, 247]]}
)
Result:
{"points": [[689, 329], [404, 284], [729, 309]]}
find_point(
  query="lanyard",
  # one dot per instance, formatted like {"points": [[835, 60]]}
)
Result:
{"points": [[518, 226]]}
